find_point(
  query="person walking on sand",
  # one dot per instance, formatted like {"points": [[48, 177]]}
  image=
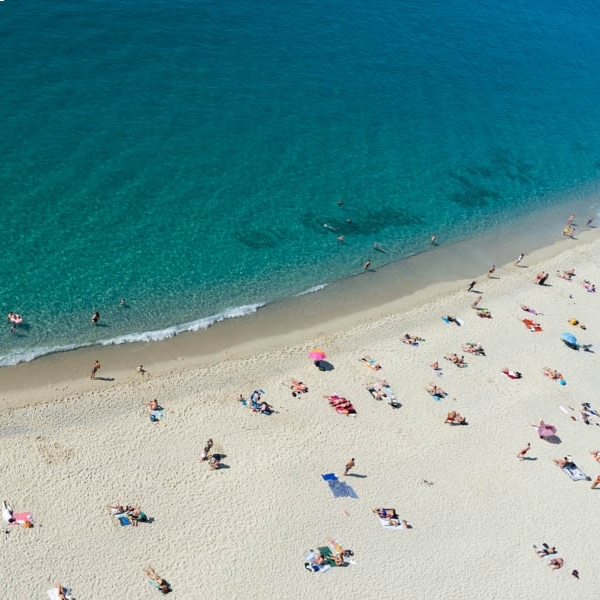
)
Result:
{"points": [[95, 369], [477, 301], [491, 271], [349, 465], [523, 452], [95, 318], [596, 483], [521, 257], [571, 219], [141, 370], [471, 285]]}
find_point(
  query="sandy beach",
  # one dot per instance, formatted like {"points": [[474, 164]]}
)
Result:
{"points": [[70, 446]]}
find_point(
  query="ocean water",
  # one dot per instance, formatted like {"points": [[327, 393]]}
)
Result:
{"points": [[186, 155]]}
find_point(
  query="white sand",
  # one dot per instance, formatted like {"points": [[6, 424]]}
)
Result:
{"points": [[242, 531]]}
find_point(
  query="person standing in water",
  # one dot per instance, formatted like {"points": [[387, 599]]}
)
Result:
{"points": [[95, 318], [433, 238]]}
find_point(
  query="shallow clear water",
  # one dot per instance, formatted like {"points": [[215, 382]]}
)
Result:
{"points": [[185, 156]]}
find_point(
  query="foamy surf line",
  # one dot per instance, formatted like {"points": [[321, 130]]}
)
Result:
{"points": [[29, 354], [312, 290]]}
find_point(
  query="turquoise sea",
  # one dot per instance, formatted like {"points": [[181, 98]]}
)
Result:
{"points": [[186, 155]]}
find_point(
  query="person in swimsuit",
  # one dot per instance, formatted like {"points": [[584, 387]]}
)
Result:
{"points": [[162, 585], [95, 369], [95, 318]]}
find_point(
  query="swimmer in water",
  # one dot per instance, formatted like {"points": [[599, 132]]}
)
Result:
{"points": [[329, 227], [341, 238], [379, 247]]}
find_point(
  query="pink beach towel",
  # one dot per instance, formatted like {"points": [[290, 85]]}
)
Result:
{"points": [[22, 517]]}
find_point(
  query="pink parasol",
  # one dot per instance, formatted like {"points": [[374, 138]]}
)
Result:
{"points": [[545, 431], [316, 354]]}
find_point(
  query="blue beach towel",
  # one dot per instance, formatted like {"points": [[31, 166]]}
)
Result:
{"points": [[329, 477]]}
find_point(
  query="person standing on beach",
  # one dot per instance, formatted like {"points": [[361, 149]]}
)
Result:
{"points": [[95, 369], [570, 220], [521, 257], [589, 222], [523, 452], [491, 271], [477, 301], [471, 285], [349, 465], [95, 318], [596, 483]]}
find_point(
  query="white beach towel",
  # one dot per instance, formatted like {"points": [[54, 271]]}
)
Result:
{"points": [[53, 594], [386, 525]]}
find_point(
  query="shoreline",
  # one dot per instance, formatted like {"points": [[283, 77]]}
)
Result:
{"points": [[490, 244], [401, 285]]}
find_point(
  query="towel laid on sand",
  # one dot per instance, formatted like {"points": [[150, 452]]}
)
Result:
{"points": [[340, 489], [576, 474], [386, 525], [22, 517], [53, 594]]}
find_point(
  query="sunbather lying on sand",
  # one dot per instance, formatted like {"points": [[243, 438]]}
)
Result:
{"points": [[484, 313], [512, 374], [452, 319], [552, 373], [154, 405], [567, 462], [568, 275], [454, 358], [391, 516], [576, 323], [298, 387], [434, 390], [596, 455], [474, 348], [546, 550], [455, 418], [386, 513], [556, 563], [530, 310], [162, 585], [412, 340], [63, 592], [590, 287], [367, 360]]}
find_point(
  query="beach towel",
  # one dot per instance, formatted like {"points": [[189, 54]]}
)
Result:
{"points": [[53, 594], [22, 517], [379, 391], [386, 525], [340, 489], [312, 566], [532, 325], [123, 519], [458, 322], [329, 477], [157, 415], [576, 474]]}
